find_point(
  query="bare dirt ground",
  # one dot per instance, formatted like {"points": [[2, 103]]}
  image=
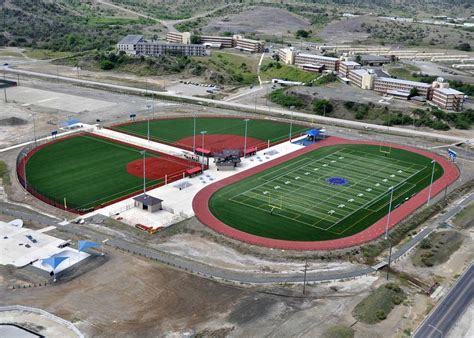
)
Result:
{"points": [[345, 31], [255, 20]]}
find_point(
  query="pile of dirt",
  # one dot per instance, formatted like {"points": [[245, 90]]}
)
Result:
{"points": [[256, 19], [13, 121]]}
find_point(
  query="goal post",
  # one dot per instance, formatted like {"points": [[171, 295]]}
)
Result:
{"points": [[275, 202], [384, 149]]}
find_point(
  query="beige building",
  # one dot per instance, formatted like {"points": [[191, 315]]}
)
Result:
{"points": [[178, 37], [448, 98], [385, 84], [223, 41], [287, 55], [362, 78], [329, 63], [346, 66], [248, 45]]}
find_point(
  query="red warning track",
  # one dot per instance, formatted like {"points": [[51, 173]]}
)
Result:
{"points": [[201, 202]]}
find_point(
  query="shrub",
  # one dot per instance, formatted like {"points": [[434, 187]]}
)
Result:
{"points": [[381, 315], [322, 107], [106, 65]]}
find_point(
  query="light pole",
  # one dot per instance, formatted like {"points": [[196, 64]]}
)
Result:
{"points": [[304, 279], [203, 132], [34, 126], [194, 133], [389, 212], [24, 171], [245, 139], [148, 123], [291, 122], [144, 172], [431, 184]]}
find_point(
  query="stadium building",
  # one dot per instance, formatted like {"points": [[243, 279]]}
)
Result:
{"points": [[248, 45], [386, 84], [223, 41], [136, 45]]}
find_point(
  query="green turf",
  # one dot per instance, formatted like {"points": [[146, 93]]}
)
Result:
{"points": [[172, 130], [86, 170], [307, 208]]}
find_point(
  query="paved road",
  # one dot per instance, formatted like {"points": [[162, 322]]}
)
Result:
{"points": [[186, 264], [246, 108], [448, 311]]}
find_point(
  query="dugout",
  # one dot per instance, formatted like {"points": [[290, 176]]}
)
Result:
{"points": [[147, 202]]}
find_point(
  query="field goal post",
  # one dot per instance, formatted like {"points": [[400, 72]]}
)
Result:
{"points": [[385, 150], [275, 202]]}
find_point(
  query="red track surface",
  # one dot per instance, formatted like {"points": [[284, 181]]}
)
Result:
{"points": [[218, 142], [157, 167], [201, 202]]}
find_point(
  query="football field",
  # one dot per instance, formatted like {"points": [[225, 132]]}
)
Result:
{"points": [[329, 193]]}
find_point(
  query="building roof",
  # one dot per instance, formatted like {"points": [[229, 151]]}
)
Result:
{"points": [[359, 71], [147, 199], [404, 82], [402, 93], [321, 57], [312, 65], [449, 91], [350, 63], [131, 39]]}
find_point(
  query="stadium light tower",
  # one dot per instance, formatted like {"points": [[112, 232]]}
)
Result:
{"points": [[144, 171], [291, 122], [431, 184], [203, 132], [245, 138], [389, 211], [148, 125], [194, 133]]}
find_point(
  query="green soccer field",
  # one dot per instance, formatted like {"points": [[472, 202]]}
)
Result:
{"points": [[174, 130], [295, 201], [86, 170]]}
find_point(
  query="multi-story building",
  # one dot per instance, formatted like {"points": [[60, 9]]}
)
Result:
{"points": [[385, 84], [329, 63], [178, 37], [448, 98], [287, 55], [362, 78], [136, 45], [346, 66], [223, 41], [248, 45]]}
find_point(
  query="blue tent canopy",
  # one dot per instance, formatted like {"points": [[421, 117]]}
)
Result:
{"points": [[53, 261], [313, 132], [83, 245], [71, 122]]}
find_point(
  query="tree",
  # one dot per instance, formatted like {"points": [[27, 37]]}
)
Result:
{"points": [[464, 47], [413, 92], [195, 39], [322, 107], [106, 65], [358, 58], [301, 33]]}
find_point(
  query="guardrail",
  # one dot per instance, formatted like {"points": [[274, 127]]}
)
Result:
{"points": [[44, 313]]}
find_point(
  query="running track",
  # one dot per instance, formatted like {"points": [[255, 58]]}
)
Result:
{"points": [[202, 212]]}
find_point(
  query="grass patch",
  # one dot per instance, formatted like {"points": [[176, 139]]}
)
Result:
{"points": [[437, 248], [4, 173], [113, 21], [45, 54], [404, 72], [276, 70], [377, 306], [10, 53], [465, 218], [230, 67], [280, 97], [339, 331]]}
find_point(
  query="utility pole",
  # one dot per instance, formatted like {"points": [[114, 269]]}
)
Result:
{"points": [[304, 278], [291, 122], [144, 172], [389, 212], [431, 184]]}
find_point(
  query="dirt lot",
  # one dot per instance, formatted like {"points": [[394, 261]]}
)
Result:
{"points": [[255, 20]]}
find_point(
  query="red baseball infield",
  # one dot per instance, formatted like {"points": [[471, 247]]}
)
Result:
{"points": [[201, 202], [220, 141]]}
